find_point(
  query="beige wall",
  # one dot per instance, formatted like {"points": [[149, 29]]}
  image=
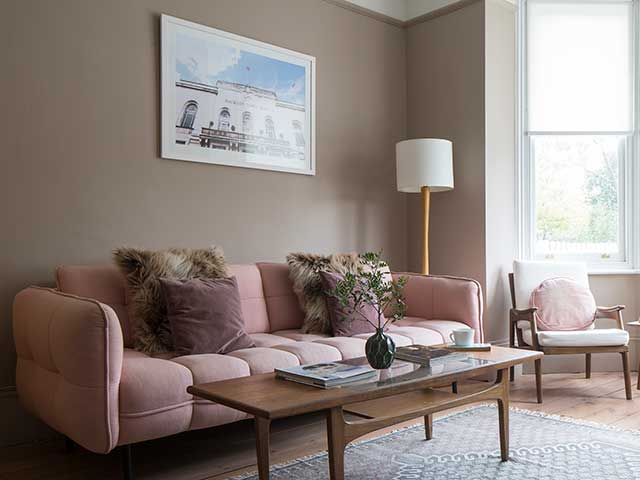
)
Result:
{"points": [[500, 111], [461, 86], [445, 85], [80, 140]]}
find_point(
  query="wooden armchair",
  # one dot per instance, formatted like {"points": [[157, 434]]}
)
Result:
{"points": [[524, 333]]}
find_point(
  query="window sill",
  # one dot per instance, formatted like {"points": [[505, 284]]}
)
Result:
{"points": [[612, 272]]}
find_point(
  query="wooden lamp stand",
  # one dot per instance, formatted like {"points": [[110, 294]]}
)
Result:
{"points": [[425, 195]]}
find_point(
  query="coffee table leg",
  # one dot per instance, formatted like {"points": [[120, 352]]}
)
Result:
{"points": [[263, 426], [503, 414], [336, 441], [428, 426]]}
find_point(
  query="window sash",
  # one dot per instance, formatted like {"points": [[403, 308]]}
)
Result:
{"points": [[620, 260], [629, 170]]}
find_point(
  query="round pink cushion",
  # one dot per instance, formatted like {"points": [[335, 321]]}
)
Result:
{"points": [[563, 304]]}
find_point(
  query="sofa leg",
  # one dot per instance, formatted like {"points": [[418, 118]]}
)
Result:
{"points": [[454, 387], [587, 364], [69, 445], [127, 463]]}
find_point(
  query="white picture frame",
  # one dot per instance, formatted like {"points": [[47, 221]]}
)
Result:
{"points": [[232, 100]]}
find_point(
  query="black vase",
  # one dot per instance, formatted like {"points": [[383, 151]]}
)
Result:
{"points": [[380, 350]]}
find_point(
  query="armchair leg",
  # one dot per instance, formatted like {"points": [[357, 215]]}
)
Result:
{"points": [[127, 463], [538, 367], [627, 374], [587, 363]]}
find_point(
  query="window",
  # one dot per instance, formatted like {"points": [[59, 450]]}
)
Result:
{"points": [[270, 127], [188, 116], [247, 124], [577, 131], [224, 119], [297, 131]]}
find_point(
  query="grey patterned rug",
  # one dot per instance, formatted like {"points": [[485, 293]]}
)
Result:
{"points": [[465, 446]]}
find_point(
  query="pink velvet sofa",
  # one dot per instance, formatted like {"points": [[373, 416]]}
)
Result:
{"points": [[78, 372]]}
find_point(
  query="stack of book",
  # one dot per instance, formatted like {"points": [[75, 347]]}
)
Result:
{"points": [[327, 375], [420, 354]]}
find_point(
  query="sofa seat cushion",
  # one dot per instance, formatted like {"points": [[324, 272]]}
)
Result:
{"points": [[212, 367], [348, 347], [443, 327], [599, 337], [265, 360], [268, 339], [150, 385], [418, 335], [298, 336], [311, 352], [399, 340]]}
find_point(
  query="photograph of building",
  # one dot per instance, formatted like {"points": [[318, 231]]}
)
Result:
{"points": [[237, 103]]}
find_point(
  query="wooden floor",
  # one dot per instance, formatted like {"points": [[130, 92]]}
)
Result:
{"points": [[221, 452]]}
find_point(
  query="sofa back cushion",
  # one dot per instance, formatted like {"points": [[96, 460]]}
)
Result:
{"points": [[107, 284], [252, 298], [283, 306]]}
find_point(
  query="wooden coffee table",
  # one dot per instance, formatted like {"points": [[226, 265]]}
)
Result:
{"points": [[390, 399]]}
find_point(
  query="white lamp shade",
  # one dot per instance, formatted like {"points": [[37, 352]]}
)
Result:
{"points": [[424, 162]]}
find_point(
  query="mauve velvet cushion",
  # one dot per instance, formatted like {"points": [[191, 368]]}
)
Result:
{"points": [[344, 324], [563, 304], [205, 315]]}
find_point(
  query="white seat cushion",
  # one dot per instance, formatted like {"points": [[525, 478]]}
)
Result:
{"points": [[599, 337]]}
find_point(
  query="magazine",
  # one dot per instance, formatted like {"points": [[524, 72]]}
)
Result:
{"points": [[420, 354], [327, 375]]}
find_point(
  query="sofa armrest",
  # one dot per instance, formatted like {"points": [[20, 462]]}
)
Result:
{"points": [[436, 297], [70, 353]]}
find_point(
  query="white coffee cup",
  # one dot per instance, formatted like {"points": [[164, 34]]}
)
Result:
{"points": [[463, 337]]}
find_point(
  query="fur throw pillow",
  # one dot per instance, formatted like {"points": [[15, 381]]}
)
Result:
{"points": [[304, 271], [143, 270]]}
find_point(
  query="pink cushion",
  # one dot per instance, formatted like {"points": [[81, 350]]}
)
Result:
{"points": [[345, 322], [205, 315], [563, 304]]}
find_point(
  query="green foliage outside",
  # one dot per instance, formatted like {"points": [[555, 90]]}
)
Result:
{"points": [[577, 189]]}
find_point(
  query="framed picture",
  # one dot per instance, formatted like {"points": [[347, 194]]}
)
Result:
{"points": [[230, 100]]}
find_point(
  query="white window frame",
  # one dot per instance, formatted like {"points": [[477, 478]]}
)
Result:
{"points": [[629, 236]]}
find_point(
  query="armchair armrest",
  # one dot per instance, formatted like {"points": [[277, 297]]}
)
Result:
{"points": [[527, 315], [70, 352], [614, 313]]}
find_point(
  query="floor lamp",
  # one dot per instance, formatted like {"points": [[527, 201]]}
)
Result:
{"points": [[424, 165]]}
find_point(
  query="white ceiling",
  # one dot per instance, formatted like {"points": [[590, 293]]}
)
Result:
{"points": [[404, 10]]}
